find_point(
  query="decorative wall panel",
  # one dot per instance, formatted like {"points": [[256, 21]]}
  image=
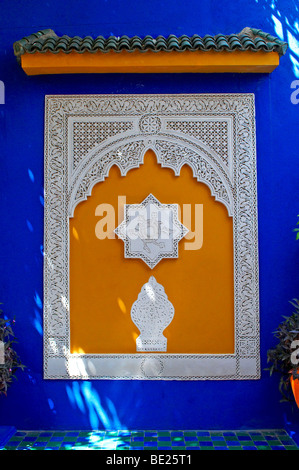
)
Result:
{"points": [[215, 136], [155, 233]]}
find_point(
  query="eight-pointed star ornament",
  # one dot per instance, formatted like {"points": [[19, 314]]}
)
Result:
{"points": [[151, 231]]}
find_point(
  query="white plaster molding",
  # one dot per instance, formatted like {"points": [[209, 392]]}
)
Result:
{"points": [[215, 135], [152, 312], [2, 353], [151, 231]]}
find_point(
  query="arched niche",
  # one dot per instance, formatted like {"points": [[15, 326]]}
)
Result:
{"points": [[104, 286]]}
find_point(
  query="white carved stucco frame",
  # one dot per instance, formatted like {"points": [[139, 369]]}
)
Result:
{"points": [[230, 177]]}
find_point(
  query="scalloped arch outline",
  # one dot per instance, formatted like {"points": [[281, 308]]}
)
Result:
{"points": [[99, 153]]}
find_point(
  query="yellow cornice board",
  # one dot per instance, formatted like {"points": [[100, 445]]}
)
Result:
{"points": [[150, 62]]}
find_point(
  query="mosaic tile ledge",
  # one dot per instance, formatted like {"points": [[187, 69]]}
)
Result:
{"points": [[277, 439]]}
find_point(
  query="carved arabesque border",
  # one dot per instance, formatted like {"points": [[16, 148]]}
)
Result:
{"points": [[232, 181]]}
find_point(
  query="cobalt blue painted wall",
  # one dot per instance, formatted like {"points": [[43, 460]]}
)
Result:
{"points": [[33, 403]]}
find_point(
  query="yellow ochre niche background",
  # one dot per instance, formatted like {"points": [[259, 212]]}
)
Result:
{"points": [[199, 283]]}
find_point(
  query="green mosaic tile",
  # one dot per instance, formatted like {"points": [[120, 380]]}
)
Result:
{"points": [[204, 438], [136, 443], [219, 443]]}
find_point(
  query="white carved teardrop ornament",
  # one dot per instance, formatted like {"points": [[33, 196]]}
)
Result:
{"points": [[152, 312]]}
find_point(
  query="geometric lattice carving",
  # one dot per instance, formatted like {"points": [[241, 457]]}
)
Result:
{"points": [[212, 133], [88, 134]]}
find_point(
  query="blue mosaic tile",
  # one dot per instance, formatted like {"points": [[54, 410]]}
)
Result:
{"points": [[217, 438], [39, 444], [288, 442], [278, 448], [14, 443]]}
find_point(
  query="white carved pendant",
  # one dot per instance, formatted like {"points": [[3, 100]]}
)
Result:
{"points": [[152, 312], [151, 231], [2, 354]]}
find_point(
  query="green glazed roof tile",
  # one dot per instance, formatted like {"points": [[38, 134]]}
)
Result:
{"points": [[248, 39]]}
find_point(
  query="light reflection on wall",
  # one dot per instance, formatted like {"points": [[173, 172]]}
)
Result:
{"points": [[86, 399]]}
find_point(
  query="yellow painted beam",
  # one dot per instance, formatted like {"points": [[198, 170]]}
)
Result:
{"points": [[150, 62]]}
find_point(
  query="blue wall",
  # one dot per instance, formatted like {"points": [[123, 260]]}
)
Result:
{"points": [[33, 403]]}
